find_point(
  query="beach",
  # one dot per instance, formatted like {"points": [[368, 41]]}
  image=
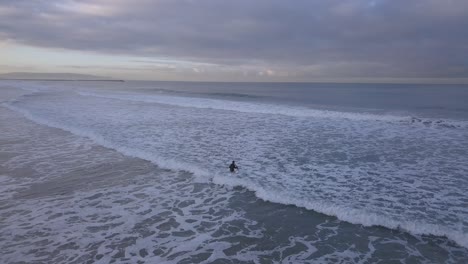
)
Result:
{"points": [[138, 173]]}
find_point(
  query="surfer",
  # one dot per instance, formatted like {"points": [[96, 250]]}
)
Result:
{"points": [[233, 166]]}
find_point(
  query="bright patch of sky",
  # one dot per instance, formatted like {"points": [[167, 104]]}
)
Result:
{"points": [[36, 59]]}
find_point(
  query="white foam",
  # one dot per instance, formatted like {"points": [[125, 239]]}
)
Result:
{"points": [[322, 165], [245, 107], [128, 151], [354, 216], [103, 219], [275, 109]]}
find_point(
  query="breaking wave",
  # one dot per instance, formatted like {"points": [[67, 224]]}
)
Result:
{"points": [[268, 193], [274, 109]]}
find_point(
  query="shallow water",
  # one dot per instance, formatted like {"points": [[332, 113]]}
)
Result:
{"points": [[70, 197]]}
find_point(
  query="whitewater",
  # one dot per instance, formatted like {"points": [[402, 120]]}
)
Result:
{"points": [[402, 171]]}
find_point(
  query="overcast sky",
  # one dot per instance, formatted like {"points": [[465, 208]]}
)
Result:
{"points": [[259, 40]]}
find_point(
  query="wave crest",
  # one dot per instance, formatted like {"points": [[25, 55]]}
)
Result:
{"points": [[274, 109]]}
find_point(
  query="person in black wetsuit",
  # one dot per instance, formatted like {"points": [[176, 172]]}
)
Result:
{"points": [[233, 166]]}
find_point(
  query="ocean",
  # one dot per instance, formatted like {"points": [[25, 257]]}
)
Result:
{"points": [[137, 172]]}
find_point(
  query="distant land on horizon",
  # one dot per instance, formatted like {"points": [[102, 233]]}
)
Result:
{"points": [[37, 76], [54, 76]]}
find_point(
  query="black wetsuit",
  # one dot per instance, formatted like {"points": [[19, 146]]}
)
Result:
{"points": [[232, 167]]}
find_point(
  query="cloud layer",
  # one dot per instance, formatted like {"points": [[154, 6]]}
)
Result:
{"points": [[303, 38]]}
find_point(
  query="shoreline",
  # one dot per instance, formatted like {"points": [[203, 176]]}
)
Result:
{"points": [[159, 209]]}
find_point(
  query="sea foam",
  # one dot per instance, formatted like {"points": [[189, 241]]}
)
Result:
{"points": [[275, 109], [276, 150]]}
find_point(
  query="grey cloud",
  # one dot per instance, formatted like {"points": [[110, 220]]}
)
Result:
{"points": [[353, 38]]}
